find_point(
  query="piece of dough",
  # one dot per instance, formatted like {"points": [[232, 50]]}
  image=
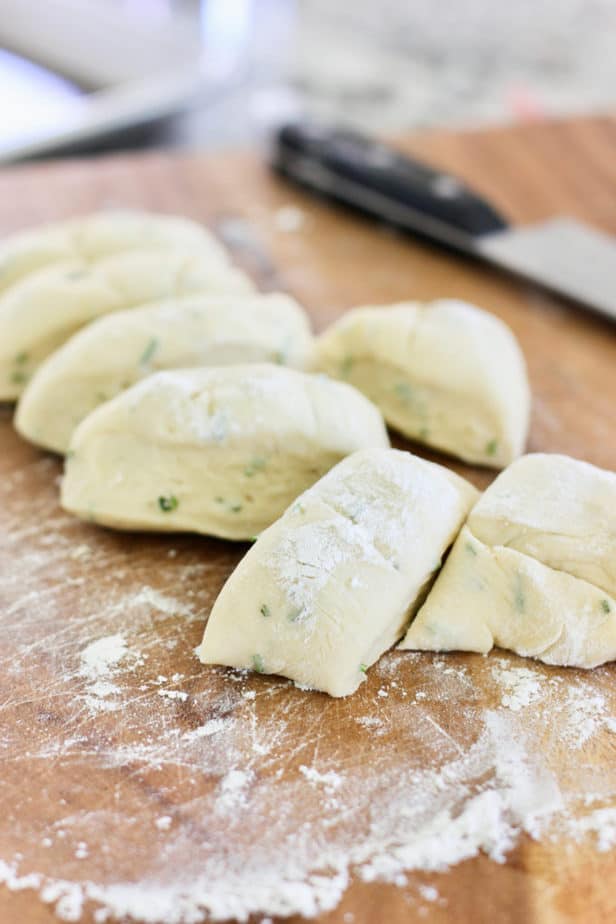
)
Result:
{"points": [[220, 450], [332, 585], [114, 352], [102, 234], [42, 311], [534, 569], [446, 374]]}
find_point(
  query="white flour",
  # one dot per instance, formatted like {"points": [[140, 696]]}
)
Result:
{"points": [[175, 791]]}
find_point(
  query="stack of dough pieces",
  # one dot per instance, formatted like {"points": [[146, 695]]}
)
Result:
{"points": [[332, 585], [446, 374], [116, 351], [221, 451], [533, 570], [55, 280]]}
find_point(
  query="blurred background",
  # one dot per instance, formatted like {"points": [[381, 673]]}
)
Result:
{"points": [[90, 75]]}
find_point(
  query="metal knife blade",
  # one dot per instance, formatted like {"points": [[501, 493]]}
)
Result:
{"points": [[562, 255]]}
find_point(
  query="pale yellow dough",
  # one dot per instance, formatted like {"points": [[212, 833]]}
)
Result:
{"points": [[533, 570], [446, 374], [220, 451], [333, 583], [114, 352], [44, 309], [101, 234]]}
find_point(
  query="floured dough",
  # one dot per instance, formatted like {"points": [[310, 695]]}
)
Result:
{"points": [[446, 374], [42, 311], [114, 352], [220, 450], [534, 569], [91, 237], [331, 585]]}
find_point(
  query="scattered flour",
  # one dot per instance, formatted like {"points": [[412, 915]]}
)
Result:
{"points": [[330, 780], [601, 823], [256, 798], [99, 657], [521, 685], [289, 218]]}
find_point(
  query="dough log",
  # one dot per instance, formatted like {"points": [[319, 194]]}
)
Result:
{"points": [[446, 374], [332, 585], [116, 351], [221, 451], [533, 570]]}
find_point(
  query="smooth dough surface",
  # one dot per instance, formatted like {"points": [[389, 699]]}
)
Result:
{"points": [[331, 585], [114, 352], [533, 570], [446, 374], [42, 311], [221, 450], [101, 234]]}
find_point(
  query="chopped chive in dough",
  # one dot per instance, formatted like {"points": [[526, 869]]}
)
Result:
{"points": [[363, 668], [255, 465], [471, 549], [219, 500], [294, 615], [404, 391], [19, 377], [149, 351], [257, 664], [491, 447], [252, 538], [605, 606], [235, 508], [346, 365], [299, 508], [265, 610], [518, 594], [21, 358], [168, 504]]}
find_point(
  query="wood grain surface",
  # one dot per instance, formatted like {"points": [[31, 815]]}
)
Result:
{"points": [[55, 601]]}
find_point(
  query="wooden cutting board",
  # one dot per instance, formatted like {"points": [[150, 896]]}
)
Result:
{"points": [[146, 780]]}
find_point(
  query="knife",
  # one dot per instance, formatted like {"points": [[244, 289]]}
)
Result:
{"points": [[561, 254]]}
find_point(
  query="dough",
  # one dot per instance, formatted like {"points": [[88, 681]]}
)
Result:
{"points": [[446, 374], [42, 311], [99, 235], [220, 450], [332, 585], [534, 569], [114, 352]]}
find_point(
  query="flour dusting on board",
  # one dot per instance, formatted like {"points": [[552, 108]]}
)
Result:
{"points": [[179, 793]]}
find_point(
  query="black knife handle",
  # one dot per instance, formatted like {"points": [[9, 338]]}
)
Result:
{"points": [[361, 172]]}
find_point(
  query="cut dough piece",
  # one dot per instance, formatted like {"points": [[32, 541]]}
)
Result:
{"points": [[332, 585], [446, 374], [533, 570], [221, 451], [42, 311], [113, 353], [496, 596], [558, 510], [100, 235]]}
